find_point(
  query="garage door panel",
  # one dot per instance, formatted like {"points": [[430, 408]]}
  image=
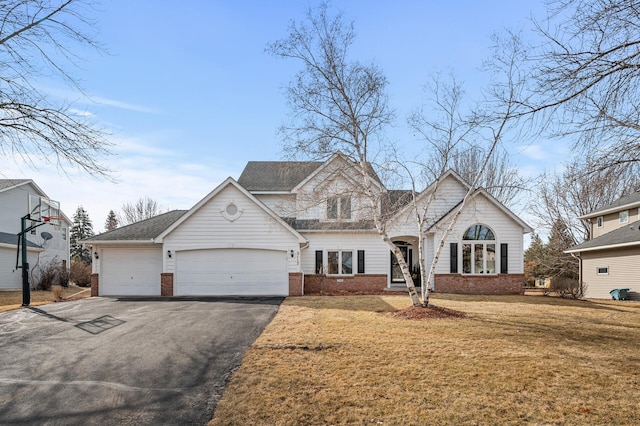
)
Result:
{"points": [[232, 272], [130, 272]]}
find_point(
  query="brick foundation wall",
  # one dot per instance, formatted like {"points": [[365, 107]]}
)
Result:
{"points": [[166, 284], [295, 283], [478, 284], [356, 284], [95, 285]]}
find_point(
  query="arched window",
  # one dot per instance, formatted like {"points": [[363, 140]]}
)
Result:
{"points": [[479, 250]]}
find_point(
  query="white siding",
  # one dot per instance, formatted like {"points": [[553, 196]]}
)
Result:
{"points": [[376, 254], [10, 277], [208, 228], [624, 272], [449, 193], [482, 211], [284, 205]]}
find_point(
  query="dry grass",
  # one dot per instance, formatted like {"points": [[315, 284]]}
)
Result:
{"points": [[13, 299], [512, 360]]}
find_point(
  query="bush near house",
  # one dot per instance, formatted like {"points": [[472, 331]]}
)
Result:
{"points": [[80, 273], [53, 273]]}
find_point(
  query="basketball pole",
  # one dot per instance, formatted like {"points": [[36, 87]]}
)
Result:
{"points": [[26, 288]]}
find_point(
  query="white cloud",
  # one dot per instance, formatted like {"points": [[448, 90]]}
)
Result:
{"points": [[534, 151]]}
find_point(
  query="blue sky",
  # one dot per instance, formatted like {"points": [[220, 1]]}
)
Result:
{"points": [[189, 95]]}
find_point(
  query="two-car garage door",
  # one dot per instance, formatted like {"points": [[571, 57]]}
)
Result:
{"points": [[231, 272]]}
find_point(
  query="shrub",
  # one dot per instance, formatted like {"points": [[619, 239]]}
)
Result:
{"points": [[567, 287], [52, 274], [80, 274]]}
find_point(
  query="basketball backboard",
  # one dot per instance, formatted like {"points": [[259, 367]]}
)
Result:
{"points": [[43, 209]]}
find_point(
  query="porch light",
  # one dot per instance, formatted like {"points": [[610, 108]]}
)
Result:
{"points": [[291, 252], [169, 254], [95, 254]]}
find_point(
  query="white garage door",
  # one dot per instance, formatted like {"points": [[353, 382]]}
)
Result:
{"points": [[232, 272], [130, 272]]}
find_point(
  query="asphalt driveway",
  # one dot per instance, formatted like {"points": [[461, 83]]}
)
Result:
{"points": [[124, 361]]}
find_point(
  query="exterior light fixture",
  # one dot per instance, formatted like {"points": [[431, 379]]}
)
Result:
{"points": [[95, 254], [291, 253], [169, 254]]}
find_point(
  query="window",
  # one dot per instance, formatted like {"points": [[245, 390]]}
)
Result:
{"points": [[339, 207], [340, 262], [624, 216], [64, 234], [479, 251], [600, 221], [603, 270]]}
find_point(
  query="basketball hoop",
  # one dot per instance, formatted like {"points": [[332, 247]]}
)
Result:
{"points": [[53, 220]]}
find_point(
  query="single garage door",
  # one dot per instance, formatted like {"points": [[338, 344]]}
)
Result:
{"points": [[231, 272], [130, 272]]}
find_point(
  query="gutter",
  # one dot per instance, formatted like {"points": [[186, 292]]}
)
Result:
{"points": [[612, 246]]}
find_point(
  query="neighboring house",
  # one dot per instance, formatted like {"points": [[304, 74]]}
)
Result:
{"points": [[14, 204], [611, 258], [289, 228]]}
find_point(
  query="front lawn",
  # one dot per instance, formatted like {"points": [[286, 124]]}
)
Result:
{"points": [[13, 299], [511, 360]]}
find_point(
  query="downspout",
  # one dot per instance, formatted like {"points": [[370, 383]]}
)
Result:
{"points": [[579, 271], [302, 247]]}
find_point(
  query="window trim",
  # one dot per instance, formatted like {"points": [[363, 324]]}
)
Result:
{"points": [[471, 244], [602, 270], [626, 220], [340, 262], [343, 206]]}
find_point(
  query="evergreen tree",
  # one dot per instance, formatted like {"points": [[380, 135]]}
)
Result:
{"points": [[112, 221], [559, 263], [535, 259], [82, 228]]}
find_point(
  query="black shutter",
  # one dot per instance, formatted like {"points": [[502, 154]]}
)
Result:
{"points": [[361, 261], [453, 258], [318, 261], [504, 258]]}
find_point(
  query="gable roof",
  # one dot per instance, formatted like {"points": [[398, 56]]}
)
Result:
{"points": [[144, 231], [525, 227], [626, 202], [622, 237], [12, 240], [276, 175], [216, 191], [340, 156]]}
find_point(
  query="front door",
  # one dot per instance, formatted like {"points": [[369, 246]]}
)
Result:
{"points": [[396, 272]]}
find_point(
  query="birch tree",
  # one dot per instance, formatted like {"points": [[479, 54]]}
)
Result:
{"points": [[37, 41], [337, 105]]}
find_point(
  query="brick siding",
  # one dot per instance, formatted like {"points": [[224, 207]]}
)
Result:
{"points": [[356, 284], [166, 284], [295, 283], [478, 284], [95, 285]]}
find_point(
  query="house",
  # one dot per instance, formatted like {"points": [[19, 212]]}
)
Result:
{"points": [[610, 259], [17, 198], [292, 228]]}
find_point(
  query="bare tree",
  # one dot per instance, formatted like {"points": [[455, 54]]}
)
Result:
{"points": [[337, 105], [144, 208], [585, 78], [36, 40]]}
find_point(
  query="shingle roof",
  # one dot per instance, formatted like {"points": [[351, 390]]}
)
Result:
{"points": [[628, 234], [276, 175], [629, 199], [316, 225], [12, 239], [141, 231], [8, 183]]}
